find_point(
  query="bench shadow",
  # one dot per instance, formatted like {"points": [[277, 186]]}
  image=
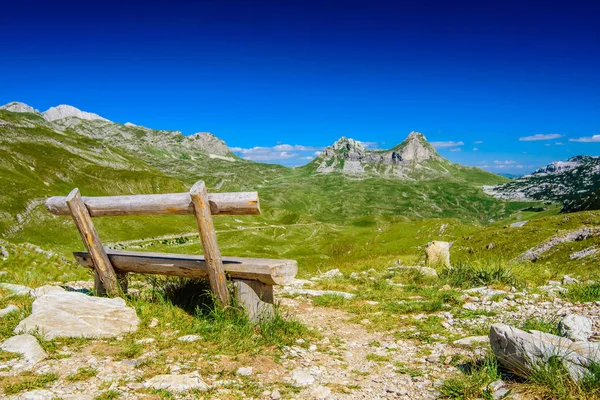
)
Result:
{"points": [[191, 295]]}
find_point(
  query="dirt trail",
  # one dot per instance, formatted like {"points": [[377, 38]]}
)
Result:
{"points": [[365, 364]]}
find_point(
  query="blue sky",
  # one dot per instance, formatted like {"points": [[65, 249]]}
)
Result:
{"points": [[518, 82]]}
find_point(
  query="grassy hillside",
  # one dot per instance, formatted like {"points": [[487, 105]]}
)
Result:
{"points": [[323, 220]]}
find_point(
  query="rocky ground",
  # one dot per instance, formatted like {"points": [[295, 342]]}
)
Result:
{"points": [[348, 356]]}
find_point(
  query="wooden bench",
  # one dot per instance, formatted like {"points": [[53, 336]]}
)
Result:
{"points": [[253, 278]]}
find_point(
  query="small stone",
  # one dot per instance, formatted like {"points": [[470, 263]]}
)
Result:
{"points": [[189, 338], [244, 371], [153, 323], [145, 341], [8, 310], [275, 395], [39, 394], [490, 246], [469, 306], [302, 378], [321, 392], [333, 273], [177, 383], [568, 280]]}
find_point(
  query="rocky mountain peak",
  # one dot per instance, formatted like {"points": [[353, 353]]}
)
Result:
{"points": [[416, 149], [19, 107], [350, 156], [209, 143], [65, 111]]}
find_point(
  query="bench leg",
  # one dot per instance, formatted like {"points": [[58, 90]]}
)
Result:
{"points": [[256, 298], [121, 280]]}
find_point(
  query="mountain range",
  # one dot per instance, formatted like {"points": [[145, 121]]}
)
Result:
{"points": [[48, 153]]}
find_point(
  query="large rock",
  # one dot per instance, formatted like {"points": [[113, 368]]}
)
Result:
{"points": [[177, 383], [437, 253], [27, 346], [69, 314], [575, 327], [522, 352]]}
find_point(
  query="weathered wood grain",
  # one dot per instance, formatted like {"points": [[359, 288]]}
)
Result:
{"points": [[255, 297], [208, 237], [92, 242], [160, 204], [270, 272]]}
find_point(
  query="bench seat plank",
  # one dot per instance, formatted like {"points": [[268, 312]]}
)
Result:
{"points": [[270, 272]]}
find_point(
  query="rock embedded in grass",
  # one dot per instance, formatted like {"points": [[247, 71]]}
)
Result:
{"points": [[69, 314], [189, 338], [575, 327], [17, 290], [8, 310], [27, 346], [177, 383]]}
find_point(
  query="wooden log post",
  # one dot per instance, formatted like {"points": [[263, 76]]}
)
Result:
{"points": [[85, 226], [212, 254], [256, 298], [237, 203]]}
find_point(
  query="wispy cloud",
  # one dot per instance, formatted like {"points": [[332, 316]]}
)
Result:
{"points": [[475, 149], [540, 136], [455, 149], [588, 139], [280, 152], [441, 145], [478, 142], [368, 145], [505, 162]]}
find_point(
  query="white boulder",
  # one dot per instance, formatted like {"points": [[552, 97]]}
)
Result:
{"points": [[437, 253], [71, 314]]}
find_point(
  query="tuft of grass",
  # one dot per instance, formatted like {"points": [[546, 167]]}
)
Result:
{"points": [[82, 374], [583, 293], [541, 324], [465, 276], [377, 357], [403, 368], [552, 381], [473, 382], [108, 395], [28, 381]]}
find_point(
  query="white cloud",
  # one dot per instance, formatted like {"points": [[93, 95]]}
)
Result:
{"points": [[277, 153], [455, 149], [588, 139], [505, 162], [559, 143], [540, 136], [318, 153], [478, 142], [441, 145], [368, 145], [475, 149]]}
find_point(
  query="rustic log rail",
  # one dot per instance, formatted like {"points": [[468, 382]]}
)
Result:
{"points": [[253, 278]]}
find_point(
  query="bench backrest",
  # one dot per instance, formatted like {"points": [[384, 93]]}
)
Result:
{"points": [[197, 202]]}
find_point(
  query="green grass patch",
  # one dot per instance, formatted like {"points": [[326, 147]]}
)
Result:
{"points": [[26, 382], [582, 292], [82, 374]]}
